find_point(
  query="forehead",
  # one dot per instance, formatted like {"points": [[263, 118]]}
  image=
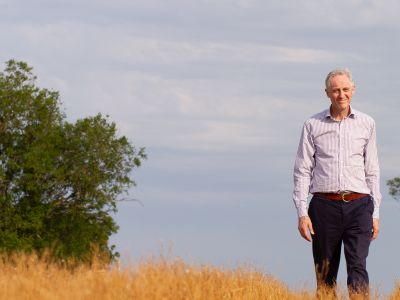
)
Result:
{"points": [[340, 81]]}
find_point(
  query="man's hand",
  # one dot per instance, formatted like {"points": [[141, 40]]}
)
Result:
{"points": [[305, 226], [375, 228]]}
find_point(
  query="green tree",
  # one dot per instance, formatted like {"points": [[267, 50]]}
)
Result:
{"points": [[59, 181], [394, 187]]}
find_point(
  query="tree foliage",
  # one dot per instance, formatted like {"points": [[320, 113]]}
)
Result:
{"points": [[59, 181], [394, 187]]}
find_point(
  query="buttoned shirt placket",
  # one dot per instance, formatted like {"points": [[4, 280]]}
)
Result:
{"points": [[340, 155]]}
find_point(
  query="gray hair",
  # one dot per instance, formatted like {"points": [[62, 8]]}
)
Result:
{"points": [[338, 72]]}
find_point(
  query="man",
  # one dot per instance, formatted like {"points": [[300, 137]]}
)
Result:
{"points": [[337, 162]]}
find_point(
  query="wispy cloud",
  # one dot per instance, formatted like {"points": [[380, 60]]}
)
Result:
{"points": [[82, 39]]}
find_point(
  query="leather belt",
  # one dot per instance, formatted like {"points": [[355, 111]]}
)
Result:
{"points": [[345, 196]]}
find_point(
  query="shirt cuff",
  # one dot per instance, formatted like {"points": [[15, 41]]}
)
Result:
{"points": [[302, 212], [375, 215]]}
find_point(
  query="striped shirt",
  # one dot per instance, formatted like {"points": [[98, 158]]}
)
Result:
{"points": [[336, 156]]}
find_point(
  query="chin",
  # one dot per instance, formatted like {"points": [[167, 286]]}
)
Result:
{"points": [[343, 106]]}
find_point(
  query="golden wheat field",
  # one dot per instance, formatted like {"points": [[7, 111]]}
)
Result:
{"points": [[28, 277]]}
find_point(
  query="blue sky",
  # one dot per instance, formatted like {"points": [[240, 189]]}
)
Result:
{"points": [[217, 91]]}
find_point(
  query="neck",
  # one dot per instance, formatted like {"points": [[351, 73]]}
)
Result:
{"points": [[339, 115]]}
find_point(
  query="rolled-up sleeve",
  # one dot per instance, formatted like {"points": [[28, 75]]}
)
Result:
{"points": [[303, 171]]}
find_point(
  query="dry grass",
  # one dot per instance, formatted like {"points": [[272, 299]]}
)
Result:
{"points": [[27, 277], [396, 293]]}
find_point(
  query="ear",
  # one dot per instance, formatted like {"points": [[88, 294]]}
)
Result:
{"points": [[326, 92]]}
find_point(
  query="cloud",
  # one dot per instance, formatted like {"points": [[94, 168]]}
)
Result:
{"points": [[360, 13], [174, 87], [208, 18], [184, 114], [113, 45]]}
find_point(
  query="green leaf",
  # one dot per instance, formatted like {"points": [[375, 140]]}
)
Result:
{"points": [[59, 181]]}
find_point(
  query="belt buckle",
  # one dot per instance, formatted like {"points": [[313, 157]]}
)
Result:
{"points": [[344, 194]]}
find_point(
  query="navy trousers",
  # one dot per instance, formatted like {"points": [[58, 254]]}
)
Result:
{"points": [[336, 222]]}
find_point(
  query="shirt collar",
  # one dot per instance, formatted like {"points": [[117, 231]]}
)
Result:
{"points": [[353, 113]]}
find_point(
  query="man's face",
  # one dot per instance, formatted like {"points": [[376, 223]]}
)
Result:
{"points": [[340, 92]]}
